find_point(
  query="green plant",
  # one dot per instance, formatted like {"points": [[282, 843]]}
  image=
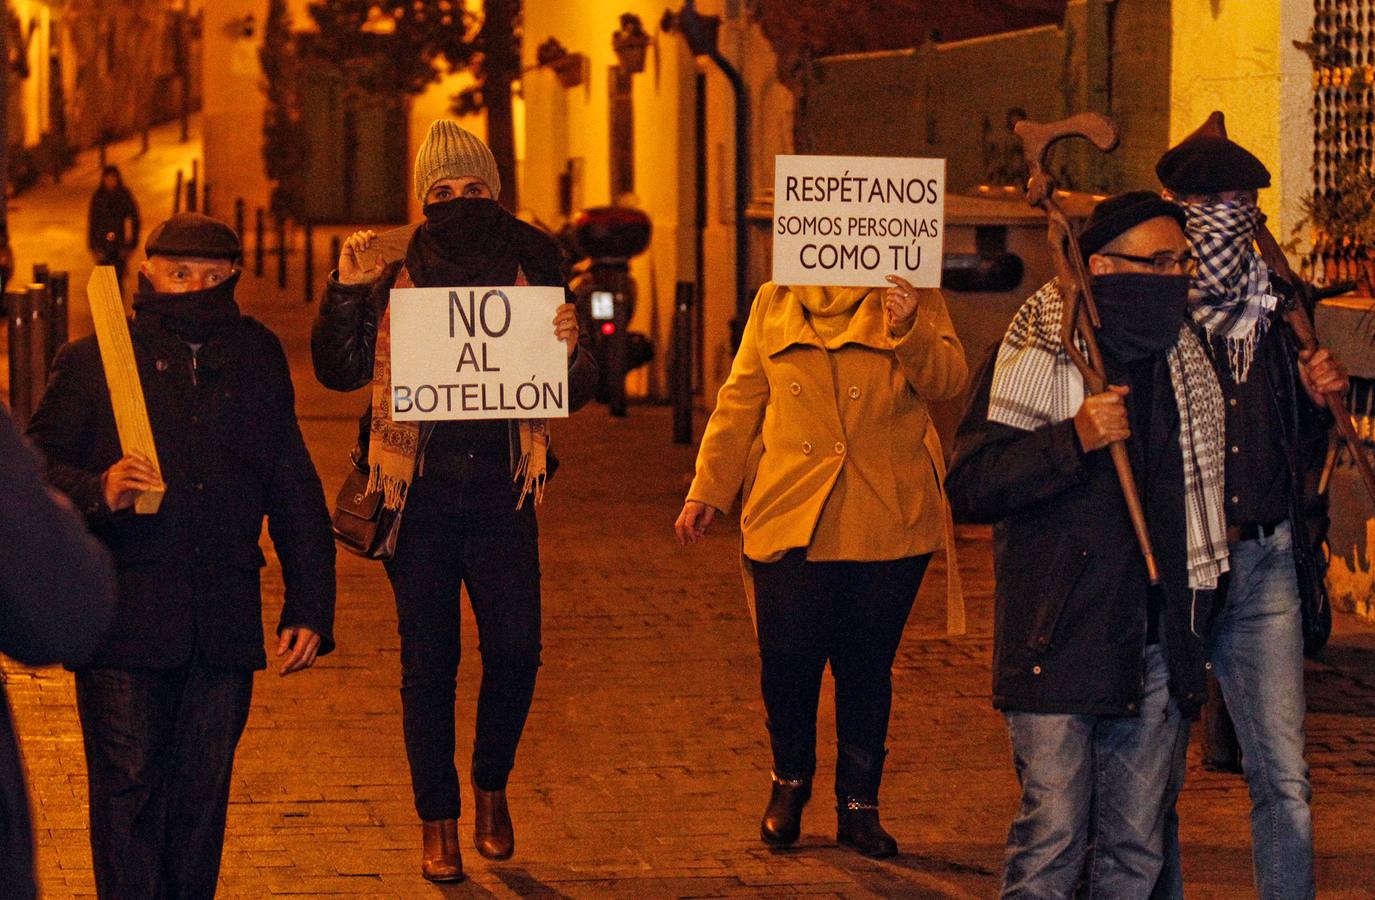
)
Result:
{"points": [[1344, 215]]}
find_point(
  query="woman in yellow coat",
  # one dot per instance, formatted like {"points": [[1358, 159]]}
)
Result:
{"points": [[823, 428]]}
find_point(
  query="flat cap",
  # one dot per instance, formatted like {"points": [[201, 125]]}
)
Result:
{"points": [[1119, 214], [1211, 164], [193, 235]]}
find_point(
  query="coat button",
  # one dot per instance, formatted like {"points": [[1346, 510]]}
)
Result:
{"points": [[1232, 402], [807, 448], [1035, 670], [854, 392], [160, 365], [1236, 449], [840, 448], [200, 487], [1131, 707], [795, 388], [1208, 666]]}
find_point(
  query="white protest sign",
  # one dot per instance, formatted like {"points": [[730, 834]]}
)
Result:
{"points": [[852, 220], [477, 353]]}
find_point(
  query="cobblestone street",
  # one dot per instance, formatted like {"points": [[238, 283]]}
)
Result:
{"points": [[645, 766]]}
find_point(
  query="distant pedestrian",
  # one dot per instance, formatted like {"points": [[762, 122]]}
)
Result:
{"points": [[1277, 422], [823, 428], [465, 491], [112, 229], [57, 595], [164, 699], [1097, 670]]}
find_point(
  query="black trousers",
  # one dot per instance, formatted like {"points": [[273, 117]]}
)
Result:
{"points": [[159, 754], [850, 614], [461, 528]]}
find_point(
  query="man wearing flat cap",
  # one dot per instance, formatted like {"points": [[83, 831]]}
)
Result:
{"points": [[1275, 415], [1096, 670], [164, 699]]}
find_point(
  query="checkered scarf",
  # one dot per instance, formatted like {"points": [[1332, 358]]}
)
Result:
{"points": [[1230, 296], [1035, 383]]}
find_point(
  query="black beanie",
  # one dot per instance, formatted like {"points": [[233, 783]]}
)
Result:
{"points": [[1211, 164], [1121, 213], [194, 235]]}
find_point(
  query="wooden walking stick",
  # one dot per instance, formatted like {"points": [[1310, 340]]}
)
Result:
{"points": [[121, 376], [1080, 321], [1295, 312]]}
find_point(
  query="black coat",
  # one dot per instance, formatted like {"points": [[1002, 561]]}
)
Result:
{"points": [[231, 453], [1071, 595], [57, 595], [345, 335], [112, 223]]}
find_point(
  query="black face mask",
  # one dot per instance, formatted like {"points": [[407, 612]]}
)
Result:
{"points": [[464, 220], [195, 317], [1141, 313]]}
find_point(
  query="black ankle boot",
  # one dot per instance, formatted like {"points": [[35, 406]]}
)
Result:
{"points": [[857, 826], [782, 822], [858, 775]]}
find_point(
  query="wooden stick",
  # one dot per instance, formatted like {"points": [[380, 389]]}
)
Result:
{"points": [[1080, 314], [121, 376]]}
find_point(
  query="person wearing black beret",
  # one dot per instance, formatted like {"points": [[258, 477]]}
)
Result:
{"points": [[1275, 417], [164, 698], [1096, 670]]}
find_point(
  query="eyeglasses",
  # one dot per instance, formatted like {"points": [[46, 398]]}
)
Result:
{"points": [[1162, 263]]}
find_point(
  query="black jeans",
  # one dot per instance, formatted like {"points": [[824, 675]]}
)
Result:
{"points": [[462, 528], [159, 754], [848, 613]]}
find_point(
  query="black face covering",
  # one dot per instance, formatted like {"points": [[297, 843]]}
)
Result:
{"points": [[467, 241], [195, 317], [1141, 313]]}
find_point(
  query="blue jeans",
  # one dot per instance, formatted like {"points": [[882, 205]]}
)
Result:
{"points": [[1256, 650], [1094, 794]]}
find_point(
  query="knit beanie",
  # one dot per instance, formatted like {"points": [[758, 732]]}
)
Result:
{"points": [[449, 151]]}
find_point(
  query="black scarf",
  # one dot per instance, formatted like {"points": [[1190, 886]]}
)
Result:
{"points": [[465, 242], [195, 316], [1141, 313]]}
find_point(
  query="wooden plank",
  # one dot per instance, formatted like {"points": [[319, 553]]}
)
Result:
{"points": [[121, 375]]}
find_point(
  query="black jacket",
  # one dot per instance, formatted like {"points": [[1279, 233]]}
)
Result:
{"points": [[57, 595], [231, 453], [1071, 595], [345, 335], [112, 223]]}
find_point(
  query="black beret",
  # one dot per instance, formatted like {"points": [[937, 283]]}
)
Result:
{"points": [[191, 234], [1120, 213], [1211, 164]]}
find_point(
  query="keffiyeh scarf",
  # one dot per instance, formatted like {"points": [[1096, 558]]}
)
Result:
{"points": [[1035, 383], [1230, 296]]}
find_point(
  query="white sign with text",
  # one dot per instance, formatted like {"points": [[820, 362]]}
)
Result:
{"points": [[853, 220], [477, 353]]}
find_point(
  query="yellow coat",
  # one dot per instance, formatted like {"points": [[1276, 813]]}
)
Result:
{"points": [[823, 425]]}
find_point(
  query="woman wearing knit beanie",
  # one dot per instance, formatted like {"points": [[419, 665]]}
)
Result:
{"points": [[462, 487]]}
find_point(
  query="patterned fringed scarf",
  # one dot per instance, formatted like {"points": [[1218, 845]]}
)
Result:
{"points": [[1230, 296], [394, 447], [1035, 383]]}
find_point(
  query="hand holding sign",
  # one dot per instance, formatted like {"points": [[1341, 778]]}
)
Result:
{"points": [[566, 326], [900, 302]]}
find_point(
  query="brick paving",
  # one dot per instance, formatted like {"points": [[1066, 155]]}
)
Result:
{"points": [[645, 762]]}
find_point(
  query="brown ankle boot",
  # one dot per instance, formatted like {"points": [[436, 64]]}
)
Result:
{"points": [[441, 860], [492, 832]]}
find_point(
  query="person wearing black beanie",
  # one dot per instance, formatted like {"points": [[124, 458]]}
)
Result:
{"points": [[1097, 670], [164, 698]]}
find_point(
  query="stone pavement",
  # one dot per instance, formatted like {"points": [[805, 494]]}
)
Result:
{"points": [[645, 763]]}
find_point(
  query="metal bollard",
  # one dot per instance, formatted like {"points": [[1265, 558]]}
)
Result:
{"points": [[40, 273], [39, 301], [176, 194], [680, 373], [59, 283], [258, 231], [309, 254], [192, 186], [20, 353], [239, 217], [205, 198], [281, 250]]}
